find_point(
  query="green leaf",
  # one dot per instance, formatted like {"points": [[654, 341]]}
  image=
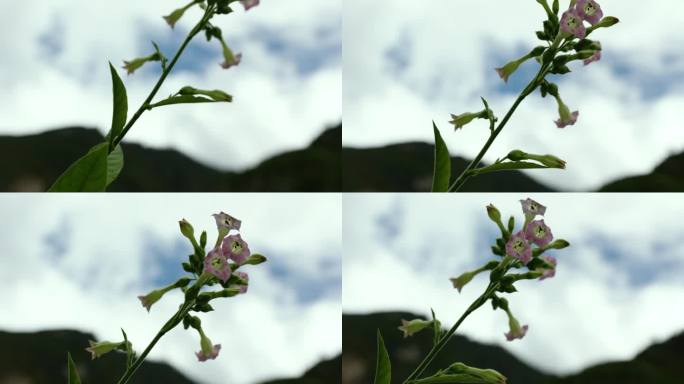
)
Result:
{"points": [[442, 173], [181, 99], [115, 162], [72, 372], [120, 108], [87, 174], [507, 166], [383, 367]]}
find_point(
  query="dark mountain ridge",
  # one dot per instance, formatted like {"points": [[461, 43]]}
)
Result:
{"points": [[658, 364], [33, 162]]}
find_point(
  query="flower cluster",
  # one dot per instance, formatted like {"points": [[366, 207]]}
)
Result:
{"points": [[524, 248], [218, 266]]}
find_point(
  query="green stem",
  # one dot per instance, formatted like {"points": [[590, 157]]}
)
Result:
{"points": [[207, 15], [445, 339], [466, 174], [173, 321]]}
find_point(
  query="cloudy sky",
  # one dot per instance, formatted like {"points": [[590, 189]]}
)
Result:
{"points": [[79, 263], [419, 61], [287, 89], [613, 294]]}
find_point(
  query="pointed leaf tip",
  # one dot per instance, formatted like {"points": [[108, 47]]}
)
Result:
{"points": [[442, 171], [383, 367]]}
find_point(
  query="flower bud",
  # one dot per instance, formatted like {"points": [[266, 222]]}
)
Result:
{"points": [[558, 244], [98, 349], [186, 229], [493, 213], [459, 121], [255, 259], [414, 326], [607, 22]]}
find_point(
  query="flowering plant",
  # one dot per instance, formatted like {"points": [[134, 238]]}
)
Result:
{"points": [[565, 40], [522, 249], [103, 163], [219, 267]]}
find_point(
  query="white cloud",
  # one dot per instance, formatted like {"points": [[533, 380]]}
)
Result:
{"points": [[449, 49], [276, 108], [93, 286], [591, 312]]}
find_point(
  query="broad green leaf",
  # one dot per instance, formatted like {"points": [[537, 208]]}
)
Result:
{"points": [[72, 372], [87, 174], [115, 162], [383, 367], [507, 166], [442, 173], [120, 107], [181, 99]]}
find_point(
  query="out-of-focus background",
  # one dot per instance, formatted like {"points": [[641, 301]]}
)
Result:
{"points": [[420, 61], [611, 314], [72, 266], [287, 95]]}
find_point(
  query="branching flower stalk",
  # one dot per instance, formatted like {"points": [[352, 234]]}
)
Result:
{"points": [[218, 267], [566, 41], [95, 171], [524, 249]]}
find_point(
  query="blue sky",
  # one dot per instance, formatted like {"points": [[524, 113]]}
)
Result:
{"points": [[421, 61], [286, 90], [622, 272], [94, 254]]}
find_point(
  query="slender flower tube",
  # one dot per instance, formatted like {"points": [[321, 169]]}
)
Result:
{"points": [[548, 273], [566, 117], [208, 351], [531, 208], [516, 331]]}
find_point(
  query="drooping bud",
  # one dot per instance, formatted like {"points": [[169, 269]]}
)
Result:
{"points": [[414, 326], [229, 58], [516, 331], [484, 376], [98, 349]]}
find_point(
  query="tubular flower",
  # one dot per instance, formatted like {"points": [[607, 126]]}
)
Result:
{"points": [[216, 264], [531, 208], [538, 233], [589, 10], [571, 23], [519, 247], [235, 248], [226, 221], [549, 272]]}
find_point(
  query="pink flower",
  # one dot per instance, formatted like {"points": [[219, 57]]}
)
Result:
{"points": [[226, 221], [235, 248], [566, 118], [549, 272], [589, 10], [231, 61], [571, 22], [245, 277], [519, 247], [531, 208], [538, 233], [249, 4], [595, 57], [517, 333], [217, 264], [208, 353]]}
